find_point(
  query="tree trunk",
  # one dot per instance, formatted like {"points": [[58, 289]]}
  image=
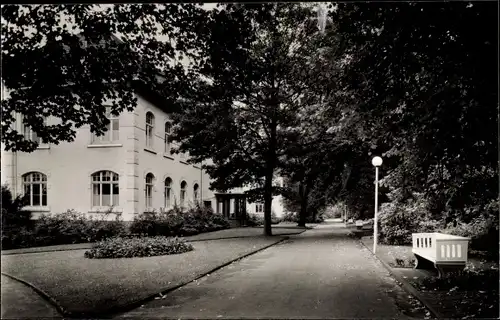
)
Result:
{"points": [[268, 198], [268, 184], [303, 205], [315, 213]]}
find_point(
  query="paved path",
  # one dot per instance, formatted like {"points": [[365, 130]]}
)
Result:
{"points": [[22, 302], [318, 274]]}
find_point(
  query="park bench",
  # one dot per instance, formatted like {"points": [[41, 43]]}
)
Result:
{"points": [[444, 252], [364, 225]]}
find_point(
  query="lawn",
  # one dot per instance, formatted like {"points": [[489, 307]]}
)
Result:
{"points": [[94, 287], [474, 294]]}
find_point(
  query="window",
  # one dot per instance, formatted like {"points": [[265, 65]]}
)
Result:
{"points": [[31, 135], [168, 192], [105, 189], [195, 193], [149, 190], [183, 192], [113, 127], [150, 124], [259, 207], [168, 131], [35, 188]]}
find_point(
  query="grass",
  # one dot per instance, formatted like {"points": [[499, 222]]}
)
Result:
{"points": [[95, 286], [278, 230]]}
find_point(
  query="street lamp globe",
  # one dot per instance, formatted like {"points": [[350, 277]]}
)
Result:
{"points": [[377, 161]]}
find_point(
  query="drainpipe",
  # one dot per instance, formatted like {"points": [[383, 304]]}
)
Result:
{"points": [[201, 182], [14, 174]]}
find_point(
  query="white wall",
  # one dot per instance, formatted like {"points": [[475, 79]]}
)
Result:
{"points": [[276, 205], [68, 167], [163, 165]]}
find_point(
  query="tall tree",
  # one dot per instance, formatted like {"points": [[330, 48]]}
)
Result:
{"points": [[252, 70], [422, 84], [64, 61]]}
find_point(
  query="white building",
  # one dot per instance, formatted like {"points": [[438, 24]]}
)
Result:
{"points": [[130, 169], [257, 208]]}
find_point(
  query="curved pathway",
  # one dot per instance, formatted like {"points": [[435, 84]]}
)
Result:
{"points": [[22, 302], [321, 273]]}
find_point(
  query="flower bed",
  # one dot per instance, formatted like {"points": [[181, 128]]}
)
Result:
{"points": [[137, 247]]}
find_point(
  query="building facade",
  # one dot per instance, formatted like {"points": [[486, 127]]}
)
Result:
{"points": [[257, 208], [129, 170]]}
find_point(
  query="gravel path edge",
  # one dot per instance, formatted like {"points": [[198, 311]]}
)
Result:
{"points": [[406, 286], [53, 302]]}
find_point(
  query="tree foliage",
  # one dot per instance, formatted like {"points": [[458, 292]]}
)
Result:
{"points": [[421, 91], [66, 62], [253, 68]]}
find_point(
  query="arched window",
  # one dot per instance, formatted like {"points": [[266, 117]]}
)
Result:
{"points": [[150, 124], [168, 193], [168, 132], [195, 193], [35, 188], [149, 190], [183, 192], [105, 189]]}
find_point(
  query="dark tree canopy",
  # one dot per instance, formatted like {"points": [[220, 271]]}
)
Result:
{"points": [[257, 62], [65, 61]]}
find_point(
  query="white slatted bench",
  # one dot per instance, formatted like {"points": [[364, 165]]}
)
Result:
{"points": [[445, 252], [364, 225]]}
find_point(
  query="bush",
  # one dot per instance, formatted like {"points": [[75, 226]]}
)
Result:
{"points": [[483, 232], [290, 217], [74, 227], [16, 223], [254, 220], [137, 247], [12, 214], [177, 223], [319, 219], [399, 220], [274, 218], [64, 228]]}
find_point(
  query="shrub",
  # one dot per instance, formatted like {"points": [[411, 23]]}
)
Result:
{"points": [[219, 221], [399, 220], [16, 223], [318, 219], [483, 232], [177, 223], [64, 228], [74, 227], [290, 217], [12, 214], [254, 220], [137, 247], [274, 218]]}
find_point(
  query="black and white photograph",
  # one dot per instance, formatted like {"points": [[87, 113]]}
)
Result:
{"points": [[250, 160]]}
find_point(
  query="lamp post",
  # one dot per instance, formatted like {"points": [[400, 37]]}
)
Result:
{"points": [[376, 162]]}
